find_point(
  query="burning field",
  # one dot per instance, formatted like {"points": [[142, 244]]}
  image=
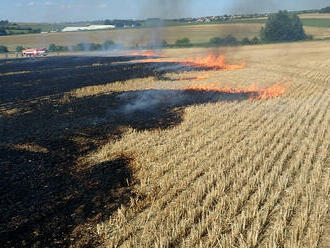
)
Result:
{"points": [[146, 149]]}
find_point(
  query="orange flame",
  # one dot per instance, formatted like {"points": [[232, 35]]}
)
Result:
{"points": [[143, 54], [214, 61], [253, 91]]}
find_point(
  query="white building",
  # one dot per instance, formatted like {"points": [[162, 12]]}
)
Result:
{"points": [[88, 28]]}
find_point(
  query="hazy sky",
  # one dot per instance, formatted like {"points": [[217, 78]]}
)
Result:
{"points": [[82, 10]]}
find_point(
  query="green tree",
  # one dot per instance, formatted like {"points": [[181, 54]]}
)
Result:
{"points": [[19, 49], [283, 27], [4, 23], [183, 42], [325, 10], [108, 44], [52, 48], [246, 41], [216, 41], [227, 41], [298, 32], [164, 43], [255, 41], [3, 49], [3, 31], [230, 40]]}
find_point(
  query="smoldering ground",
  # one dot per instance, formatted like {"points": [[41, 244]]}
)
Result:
{"points": [[158, 108]]}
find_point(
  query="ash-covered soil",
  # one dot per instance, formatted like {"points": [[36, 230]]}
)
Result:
{"points": [[50, 197]]}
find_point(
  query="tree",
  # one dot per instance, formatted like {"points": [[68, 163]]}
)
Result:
{"points": [[283, 27], [4, 23], [230, 40], [3, 49], [216, 41], [108, 44], [3, 31], [227, 41], [297, 29], [52, 48], [325, 10], [246, 41], [255, 41], [108, 22], [164, 43], [183, 42], [19, 49]]}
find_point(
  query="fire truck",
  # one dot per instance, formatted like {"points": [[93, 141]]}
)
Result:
{"points": [[35, 52]]}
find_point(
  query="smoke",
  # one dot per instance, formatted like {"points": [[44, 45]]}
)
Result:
{"points": [[149, 100], [156, 12], [253, 6], [164, 9]]}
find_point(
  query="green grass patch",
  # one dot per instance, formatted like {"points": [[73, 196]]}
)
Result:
{"points": [[322, 23]]}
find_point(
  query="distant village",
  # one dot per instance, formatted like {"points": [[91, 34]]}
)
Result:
{"points": [[113, 24], [224, 18]]}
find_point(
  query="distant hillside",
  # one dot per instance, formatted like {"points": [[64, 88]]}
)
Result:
{"points": [[8, 28]]}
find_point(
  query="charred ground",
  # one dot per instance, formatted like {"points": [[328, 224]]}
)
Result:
{"points": [[49, 196]]}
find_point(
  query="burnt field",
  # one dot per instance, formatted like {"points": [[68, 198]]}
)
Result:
{"points": [[180, 150], [49, 195]]}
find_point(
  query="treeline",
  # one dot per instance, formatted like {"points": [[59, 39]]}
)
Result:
{"points": [[229, 40], [7, 28], [325, 10], [123, 23], [280, 27], [3, 49], [84, 47]]}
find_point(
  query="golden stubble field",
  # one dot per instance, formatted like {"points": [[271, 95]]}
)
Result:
{"points": [[231, 174], [145, 162]]}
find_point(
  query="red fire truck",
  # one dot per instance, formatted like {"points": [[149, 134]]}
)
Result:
{"points": [[35, 52]]}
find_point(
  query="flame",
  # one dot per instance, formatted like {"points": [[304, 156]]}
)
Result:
{"points": [[253, 91], [143, 54], [214, 61]]}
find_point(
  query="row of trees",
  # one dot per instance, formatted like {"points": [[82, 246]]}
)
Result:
{"points": [[3, 49], [123, 23], [83, 47], [7, 28], [282, 26], [219, 41], [325, 10], [79, 47], [279, 27]]}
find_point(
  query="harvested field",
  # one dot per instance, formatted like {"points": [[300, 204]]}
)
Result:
{"points": [[134, 152], [131, 37], [314, 24], [315, 16]]}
